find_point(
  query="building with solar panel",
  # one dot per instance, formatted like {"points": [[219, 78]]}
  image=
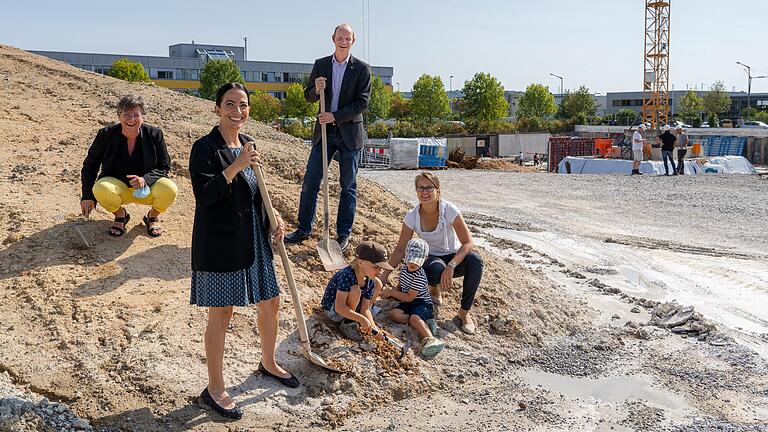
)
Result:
{"points": [[181, 69]]}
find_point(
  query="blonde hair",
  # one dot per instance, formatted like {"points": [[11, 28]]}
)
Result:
{"points": [[428, 176]]}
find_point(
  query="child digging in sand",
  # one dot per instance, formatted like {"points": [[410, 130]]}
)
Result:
{"points": [[415, 306], [352, 290]]}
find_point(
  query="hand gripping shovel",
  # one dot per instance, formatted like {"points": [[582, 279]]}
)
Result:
{"points": [[329, 250], [302, 324]]}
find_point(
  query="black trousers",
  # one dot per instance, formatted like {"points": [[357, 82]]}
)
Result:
{"points": [[680, 158]]}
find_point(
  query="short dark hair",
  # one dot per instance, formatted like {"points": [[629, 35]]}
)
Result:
{"points": [[131, 101], [227, 87]]}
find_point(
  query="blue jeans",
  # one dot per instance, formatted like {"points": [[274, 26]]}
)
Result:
{"points": [[668, 155], [313, 179], [471, 267]]}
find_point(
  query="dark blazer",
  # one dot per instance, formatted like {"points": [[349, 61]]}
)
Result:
{"points": [[104, 149], [222, 234], [354, 96]]}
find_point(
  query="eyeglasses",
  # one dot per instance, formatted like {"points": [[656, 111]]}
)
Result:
{"points": [[425, 188], [131, 116]]}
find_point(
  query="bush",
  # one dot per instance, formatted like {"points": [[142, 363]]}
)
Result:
{"points": [[299, 130], [378, 130], [127, 70]]}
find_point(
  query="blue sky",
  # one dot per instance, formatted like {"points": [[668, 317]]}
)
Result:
{"points": [[598, 43]]}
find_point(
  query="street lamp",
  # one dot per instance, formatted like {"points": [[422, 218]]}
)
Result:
{"points": [[561, 87], [398, 87], [749, 84], [450, 92]]}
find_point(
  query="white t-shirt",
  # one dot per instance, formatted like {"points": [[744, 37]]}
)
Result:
{"points": [[637, 141], [443, 240]]}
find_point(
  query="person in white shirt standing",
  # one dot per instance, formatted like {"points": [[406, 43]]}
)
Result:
{"points": [[637, 148]]}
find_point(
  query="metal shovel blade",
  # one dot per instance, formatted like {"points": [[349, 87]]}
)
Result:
{"points": [[315, 359], [403, 348], [331, 255]]}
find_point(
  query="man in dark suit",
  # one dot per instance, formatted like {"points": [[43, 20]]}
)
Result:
{"points": [[346, 82]]}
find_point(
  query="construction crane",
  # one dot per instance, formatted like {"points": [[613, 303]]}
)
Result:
{"points": [[655, 110]]}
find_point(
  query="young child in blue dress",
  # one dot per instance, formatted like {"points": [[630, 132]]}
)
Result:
{"points": [[415, 306], [351, 292]]}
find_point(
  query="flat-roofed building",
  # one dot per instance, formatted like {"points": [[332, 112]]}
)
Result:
{"points": [[181, 69]]}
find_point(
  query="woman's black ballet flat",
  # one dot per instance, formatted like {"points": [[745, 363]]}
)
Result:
{"points": [[233, 413], [291, 381]]}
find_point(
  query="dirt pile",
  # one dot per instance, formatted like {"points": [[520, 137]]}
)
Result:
{"points": [[108, 329]]}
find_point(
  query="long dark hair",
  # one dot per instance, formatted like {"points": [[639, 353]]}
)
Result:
{"points": [[227, 87]]}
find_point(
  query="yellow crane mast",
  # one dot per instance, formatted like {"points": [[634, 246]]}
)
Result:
{"points": [[655, 108]]}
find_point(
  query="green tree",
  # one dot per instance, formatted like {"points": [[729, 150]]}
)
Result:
{"points": [[215, 74], [127, 70], [690, 107], [625, 117], [400, 108], [295, 105], [749, 112], [381, 101], [578, 105], [264, 107], [717, 100], [429, 100], [536, 102], [484, 98], [761, 116]]}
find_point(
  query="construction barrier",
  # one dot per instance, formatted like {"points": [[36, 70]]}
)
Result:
{"points": [[375, 156], [723, 145], [562, 146]]}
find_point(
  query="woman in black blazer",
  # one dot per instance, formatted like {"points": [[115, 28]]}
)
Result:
{"points": [[128, 163], [231, 254]]}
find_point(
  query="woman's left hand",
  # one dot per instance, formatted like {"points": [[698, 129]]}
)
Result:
{"points": [[446, 279], [279, 231]]}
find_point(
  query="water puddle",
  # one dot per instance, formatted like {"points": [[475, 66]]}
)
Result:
{"points": [[608, 390]]}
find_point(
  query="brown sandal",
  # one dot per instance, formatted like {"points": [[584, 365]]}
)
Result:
{"points": [[152, 231]]}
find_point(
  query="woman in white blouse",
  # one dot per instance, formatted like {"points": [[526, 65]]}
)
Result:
{"points": [[441, 225]]}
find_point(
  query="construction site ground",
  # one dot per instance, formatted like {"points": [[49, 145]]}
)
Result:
{"points": [[106, 333]]}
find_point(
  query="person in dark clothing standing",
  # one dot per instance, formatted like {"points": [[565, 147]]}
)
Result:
{"points": [[667, 141], [682, 149], [346, 82]]}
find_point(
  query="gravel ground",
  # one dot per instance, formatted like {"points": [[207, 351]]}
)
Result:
{"points": [[723, 211], [22, 411]]}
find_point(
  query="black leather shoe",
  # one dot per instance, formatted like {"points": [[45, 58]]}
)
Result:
{"points": [[295, 237], [291, 381], [343, 242], [233, 413]]}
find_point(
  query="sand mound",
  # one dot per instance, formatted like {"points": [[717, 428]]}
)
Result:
{"points": [[109, 330]]}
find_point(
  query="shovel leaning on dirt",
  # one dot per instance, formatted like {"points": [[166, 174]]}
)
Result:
{"points": [[329, 250], [302, 324]]}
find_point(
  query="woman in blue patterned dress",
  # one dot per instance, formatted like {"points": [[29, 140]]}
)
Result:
{"points": [[231, 254]]}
